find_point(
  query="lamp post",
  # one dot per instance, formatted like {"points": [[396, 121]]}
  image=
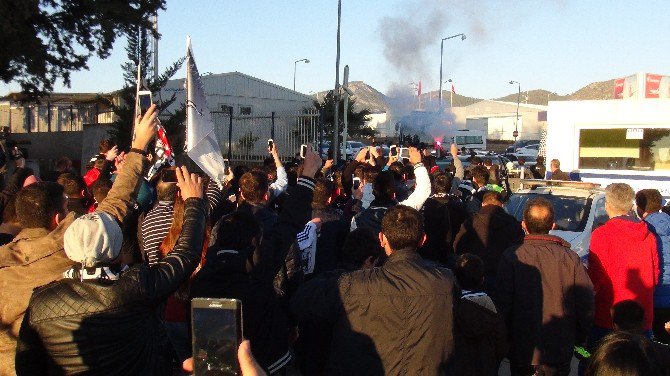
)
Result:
{"points": [[441, 54], [516, 120], [295, 68]]}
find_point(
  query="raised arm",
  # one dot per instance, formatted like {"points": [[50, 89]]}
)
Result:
{"points": [[121, 198], [168, 274], [422, 190]]}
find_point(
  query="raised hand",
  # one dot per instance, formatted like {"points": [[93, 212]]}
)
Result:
{"points": [[190, 185]]}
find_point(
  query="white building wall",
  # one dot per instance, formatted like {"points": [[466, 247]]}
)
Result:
{"points": [[240, 90], [566, 119]]}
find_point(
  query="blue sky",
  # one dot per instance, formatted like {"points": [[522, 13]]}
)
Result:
{"points": [[559, 45]]}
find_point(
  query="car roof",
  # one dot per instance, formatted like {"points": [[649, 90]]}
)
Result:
{"points": [[562, 191]]}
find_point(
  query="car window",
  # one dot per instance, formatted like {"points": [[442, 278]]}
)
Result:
{"points": [[570, 213], [600, 215]]}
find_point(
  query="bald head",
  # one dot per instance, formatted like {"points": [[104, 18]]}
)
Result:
{"points": [[538, 216]]}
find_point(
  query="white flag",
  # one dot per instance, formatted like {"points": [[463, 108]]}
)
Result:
{"points": [[202, 145]]}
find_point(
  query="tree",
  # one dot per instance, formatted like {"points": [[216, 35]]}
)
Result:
{"points": [[138, 50], [356, 127], [45, 40]]}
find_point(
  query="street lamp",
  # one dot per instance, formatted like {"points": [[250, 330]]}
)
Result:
{"points": [[295, 68], [442, 53], [516, 121]]}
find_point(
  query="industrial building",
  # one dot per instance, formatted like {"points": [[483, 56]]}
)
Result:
{"points": [[497, 119]]}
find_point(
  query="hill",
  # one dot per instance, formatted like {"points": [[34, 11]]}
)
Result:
{"points": [[371, 98]]}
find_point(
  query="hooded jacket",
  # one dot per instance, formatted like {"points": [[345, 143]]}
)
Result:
{"points": [[623, 264], [488, 234], [481, 337], [231, 275], [659, 225]]}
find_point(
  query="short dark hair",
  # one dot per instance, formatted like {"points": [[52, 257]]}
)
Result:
{"points": [[360, 245], [101, 188], [105, 145], [492, 197], [403, 227], [628, 315], [469, 271], [38, 203], [72, 184], [323, 190], [254, 185], [62, 164], [649, 200], [442, 183], [397, 168], [538, 216], [237, 230], [481, 174], [383, 187], [623, 353]]}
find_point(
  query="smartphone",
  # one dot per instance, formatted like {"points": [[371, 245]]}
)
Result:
{"points": [[270, 144], [144, 101], [216, 325], [393, 151], [226, 166], [404, 153], [169, 176], [303, 151], [357, 183]]}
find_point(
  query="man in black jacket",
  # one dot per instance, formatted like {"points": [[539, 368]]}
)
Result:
{"points": [[101, 318], [243, 260], [488, 234], [396, 319], [546, 296]]}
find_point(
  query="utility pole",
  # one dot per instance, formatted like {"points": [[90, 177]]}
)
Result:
{"points": [[155, 45], [345, 83], [336, 93]]}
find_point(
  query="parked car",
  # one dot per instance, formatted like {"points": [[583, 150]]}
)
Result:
{"points": [[579, 208], [528, 152], [519, 144]]}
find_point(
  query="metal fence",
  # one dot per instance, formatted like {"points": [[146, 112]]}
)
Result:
{"points": [[245, 138]]}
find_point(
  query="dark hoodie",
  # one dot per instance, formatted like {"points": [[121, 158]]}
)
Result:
{"points": [[247, 275], [481, 337], [623, 264], [488, 234]]}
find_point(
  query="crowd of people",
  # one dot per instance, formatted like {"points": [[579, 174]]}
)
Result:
{"points": [[377, 266]]}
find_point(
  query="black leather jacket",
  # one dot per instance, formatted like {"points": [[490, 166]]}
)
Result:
{"points": [[112, 328]]}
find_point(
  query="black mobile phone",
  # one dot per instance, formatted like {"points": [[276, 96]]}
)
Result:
{"points": [[357, 183], [144, 101], [226, 166], [216, 326], [303, 151], [270, 143], [393, 151], [169, 175]]}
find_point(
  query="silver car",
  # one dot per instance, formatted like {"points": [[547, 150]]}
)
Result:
{"points": [[577, 211]]}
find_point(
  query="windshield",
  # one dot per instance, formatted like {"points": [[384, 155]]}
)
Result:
{"points": [[570, 213]]}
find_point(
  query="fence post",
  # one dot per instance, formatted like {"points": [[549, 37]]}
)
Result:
{"points": [[272, 130], [321, 116], [230, 135]]}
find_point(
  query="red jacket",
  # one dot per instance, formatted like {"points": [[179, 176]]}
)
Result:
{"points": [[623, 264]]}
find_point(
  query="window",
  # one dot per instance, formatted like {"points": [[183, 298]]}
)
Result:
{"points": [[245, 110], [226, 108], [570, 213], [624, 149]]}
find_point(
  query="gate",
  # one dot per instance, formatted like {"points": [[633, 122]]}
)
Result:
{"points": [[245, 138]]}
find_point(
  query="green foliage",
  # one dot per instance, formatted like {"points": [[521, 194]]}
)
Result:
{"points": [[138, 50], [45, 40], [356, 127]]}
